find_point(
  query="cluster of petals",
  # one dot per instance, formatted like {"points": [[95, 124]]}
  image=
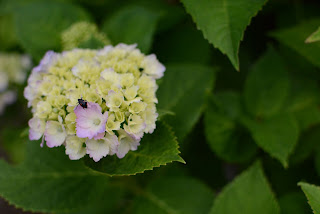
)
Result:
{"points": [[13, 71], [95, 102]]}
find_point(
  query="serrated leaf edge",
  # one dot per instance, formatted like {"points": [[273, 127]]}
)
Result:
{"points": [[236, 66], [301, 184], [239, 176], [179, 159]]}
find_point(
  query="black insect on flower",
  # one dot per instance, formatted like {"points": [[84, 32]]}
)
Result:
{"points": [[83, 103]]}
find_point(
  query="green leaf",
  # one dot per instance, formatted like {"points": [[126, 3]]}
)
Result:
{"points": [[223, 22], [314, 37], [317, 162], [47, 181], [162, 113], [303, 94], [175, 47], [267, 86], [132, 24], [7, 35], [294, 38], [293, 203], [183, 91], [174, 195], [277, 135], [303, 101], [39, 25], [308, 117], [307, 144], [156, 149], [312, 193], [13, 144], [9, 6], [249, 193], [223, 133]]}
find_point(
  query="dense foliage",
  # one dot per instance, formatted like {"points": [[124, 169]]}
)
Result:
{"points": [[238, 127]]}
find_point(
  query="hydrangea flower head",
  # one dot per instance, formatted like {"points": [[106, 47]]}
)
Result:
{"points": [[117, 87]]}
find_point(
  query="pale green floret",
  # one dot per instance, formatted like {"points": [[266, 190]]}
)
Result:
{"points": [[80, 33], [43, 109], [127, 80], [114, 100], [112, 124], [131, 93], [135, 124], [136, 108]]}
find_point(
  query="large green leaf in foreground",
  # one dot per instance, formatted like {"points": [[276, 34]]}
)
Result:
{"points": [[47, 181], [173, 195], [312, 192], [156, 149], [223, 22], [249, 193], [183, 91], [39, 25]]}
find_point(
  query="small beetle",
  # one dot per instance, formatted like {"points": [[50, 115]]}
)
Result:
{"points": [[83, 103]]}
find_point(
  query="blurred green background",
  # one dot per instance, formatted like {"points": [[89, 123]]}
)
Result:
{"points": [[225, 120]]}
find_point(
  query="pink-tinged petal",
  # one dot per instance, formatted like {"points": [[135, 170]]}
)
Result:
{"points": [[55, 134], [34, 135], [90, 121], [99, 136], [49, 58], [105, 50], [37, 128]]}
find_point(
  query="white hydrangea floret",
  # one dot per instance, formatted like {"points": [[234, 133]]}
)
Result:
{"points": [[75, 147], [100, 148]]}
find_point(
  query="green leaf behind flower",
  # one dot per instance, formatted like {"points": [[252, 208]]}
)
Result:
{"points": [[183, 91], [156, 149], [174, 195], [249, 193], [39, 25], [223, 22], [132, 24]]}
